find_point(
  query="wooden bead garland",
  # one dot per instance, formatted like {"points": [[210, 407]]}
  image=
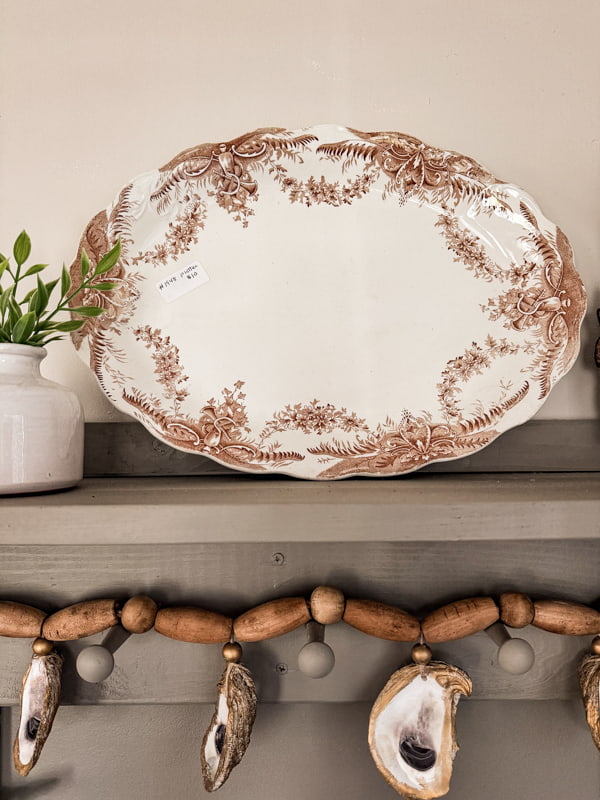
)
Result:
{"points": [[326, 605]]}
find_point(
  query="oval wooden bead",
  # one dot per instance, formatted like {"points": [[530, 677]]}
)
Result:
{"points": [[138, 614], [327, 605], [516, 609], [271, 619], [381, 620], [460, 619], [570, 619], [19, 620], [190, 624], [80, 620]]}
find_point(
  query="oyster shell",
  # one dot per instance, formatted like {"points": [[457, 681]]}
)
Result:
{"points": [[228, 735], [589, 680], [40, 697], [412, 728]]}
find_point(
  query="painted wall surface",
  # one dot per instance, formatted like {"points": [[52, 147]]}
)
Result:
{"points": [[530, 750], [93, 94]]}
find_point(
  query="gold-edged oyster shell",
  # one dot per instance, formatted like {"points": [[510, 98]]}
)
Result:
{"points": [[40, 698], [412, 733], [589, 680], [228, 735]]}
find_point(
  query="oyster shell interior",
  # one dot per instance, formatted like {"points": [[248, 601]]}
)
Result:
{"points": [[228, 735], [412, 728], [40, 697]]}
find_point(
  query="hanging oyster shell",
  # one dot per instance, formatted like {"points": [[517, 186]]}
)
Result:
{"points": [[589, 680], [412, 728], [40, 697], [228, 735]]}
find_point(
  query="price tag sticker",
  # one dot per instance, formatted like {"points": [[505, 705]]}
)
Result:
{"points": [[179, 283]]}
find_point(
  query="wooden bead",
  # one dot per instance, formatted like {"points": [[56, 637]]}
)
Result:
{"points": [[190, 624], [80, 620], [381, 620], [271, 619], [232, 652], [42, 647], [595, 646], [327, 605], [19, 620], [516, 609], [138, 614], [421, 654], [460, 619], [570, 619]]}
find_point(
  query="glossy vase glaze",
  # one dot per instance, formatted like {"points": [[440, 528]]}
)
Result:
{"points": [[41, 426]]}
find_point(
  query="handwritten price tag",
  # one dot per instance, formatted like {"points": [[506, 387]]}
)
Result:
{"points": [[185, 280]]}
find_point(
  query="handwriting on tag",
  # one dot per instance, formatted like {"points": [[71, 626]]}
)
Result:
{"points": [[185, 280]]}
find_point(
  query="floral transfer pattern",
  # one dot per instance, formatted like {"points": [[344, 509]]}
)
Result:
{"points": [[538, 300]]}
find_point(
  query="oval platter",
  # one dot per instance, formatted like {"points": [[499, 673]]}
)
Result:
{"points": [[326, 303]]}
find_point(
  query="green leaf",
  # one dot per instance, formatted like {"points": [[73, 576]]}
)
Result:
{"points": [[35, 269], [3, 266], [88, 311], [4, 338], [24, 327], [4, 301], [104, 286], [70, 325], [14, 311], [108, 260], [43, 296], [33, 299], [85, 263], [65, 282], [22, 248]]}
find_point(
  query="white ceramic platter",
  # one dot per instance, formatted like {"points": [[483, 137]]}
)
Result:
{"points": [[326, 303]]}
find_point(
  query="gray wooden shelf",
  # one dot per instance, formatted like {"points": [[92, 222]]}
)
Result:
{"points": [[416, 542], [419, 507]]}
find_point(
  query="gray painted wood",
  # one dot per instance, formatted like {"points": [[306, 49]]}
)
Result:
{"points": [[232, 577], [127, 448], [246, 509]]}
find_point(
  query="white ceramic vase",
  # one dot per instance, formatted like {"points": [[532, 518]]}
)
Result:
{"points": [[41, 426]]}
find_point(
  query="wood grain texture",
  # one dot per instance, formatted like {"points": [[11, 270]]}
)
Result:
{"points": [[516, 609], [566, 618], [80, 619], [420, 507], [20, 620], [271, 619], [459, 619], [189, 624], [327, 604], [381, 620], [128, 449]]}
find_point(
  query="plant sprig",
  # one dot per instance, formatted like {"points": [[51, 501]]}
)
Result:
{"points": [[32, 320]]}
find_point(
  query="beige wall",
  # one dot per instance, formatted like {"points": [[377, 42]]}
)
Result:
{"points": [[94, 93]]}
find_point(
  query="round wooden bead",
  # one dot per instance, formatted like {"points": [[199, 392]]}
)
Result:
{"points": [[595, 647], [421, 654], [516, 609], [138, 614], [327, 605], [232, 652], [42, 647]]}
